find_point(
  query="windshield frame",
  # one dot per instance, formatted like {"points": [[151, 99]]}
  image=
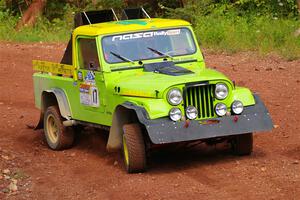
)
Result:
{"points": [[154, 58]]}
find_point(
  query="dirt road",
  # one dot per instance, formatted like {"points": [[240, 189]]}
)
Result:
{"points": [[87, 171]]}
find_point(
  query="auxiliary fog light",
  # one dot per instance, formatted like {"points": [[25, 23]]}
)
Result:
{"points": [[175, 114], [191, 112], [221, 109], [237, 107]]}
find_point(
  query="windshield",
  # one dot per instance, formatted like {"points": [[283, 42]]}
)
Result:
{"points": [[148, 45]]}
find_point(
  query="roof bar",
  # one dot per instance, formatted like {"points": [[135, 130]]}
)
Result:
{"points": [[114, 14], [87, 17], [144, 11]]}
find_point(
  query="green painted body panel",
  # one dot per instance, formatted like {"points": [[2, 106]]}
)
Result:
{"points": [[244, 95], [43, 82], [145, 89]]}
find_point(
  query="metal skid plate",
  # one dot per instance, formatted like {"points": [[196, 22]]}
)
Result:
{"points": [[254, 118]]}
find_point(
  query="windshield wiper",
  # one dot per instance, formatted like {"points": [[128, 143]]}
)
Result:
{"points": [[159, 52], [121, 57]]}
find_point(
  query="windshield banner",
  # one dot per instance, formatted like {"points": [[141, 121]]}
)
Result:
{"points": [[146, 35]]}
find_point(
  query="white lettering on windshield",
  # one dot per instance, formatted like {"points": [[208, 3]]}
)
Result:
{"points": [[146, 35]]}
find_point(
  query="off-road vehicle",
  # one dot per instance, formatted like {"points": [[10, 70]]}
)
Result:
{"points": [[145, 81]]}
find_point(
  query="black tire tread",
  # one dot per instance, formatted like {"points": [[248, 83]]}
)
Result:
{"points": [[243, 144], [66, 134], [136, 148]]}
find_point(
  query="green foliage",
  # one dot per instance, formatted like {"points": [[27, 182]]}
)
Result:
{"points": [[273, 8], [267, 8], [56, 31], [225, 25], [55, 9], [2, 5], [107, 4], [191, 10], [233, 34], [265, 26]]}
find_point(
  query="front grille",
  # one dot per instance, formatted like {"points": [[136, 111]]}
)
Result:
{"points": [[200, 97]]}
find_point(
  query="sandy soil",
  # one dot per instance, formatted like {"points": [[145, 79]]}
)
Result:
{"points": [[87, 171]]}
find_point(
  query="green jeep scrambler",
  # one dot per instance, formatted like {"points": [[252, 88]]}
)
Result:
{"points": [[145, 81]]}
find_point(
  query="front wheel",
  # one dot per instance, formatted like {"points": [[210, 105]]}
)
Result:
{"points": [[58, 137], [242, 144], [134, 148]]}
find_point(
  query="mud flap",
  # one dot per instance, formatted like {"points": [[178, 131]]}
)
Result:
{"points": [[40, 124], [161, 131]]}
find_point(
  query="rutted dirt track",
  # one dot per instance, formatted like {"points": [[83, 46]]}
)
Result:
{"points": [[87, 171]]}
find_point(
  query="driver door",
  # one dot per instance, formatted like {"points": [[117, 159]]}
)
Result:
{"points": [[90, 83]]}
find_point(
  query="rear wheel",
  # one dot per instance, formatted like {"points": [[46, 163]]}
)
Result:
{"points": [[58, 137], [134, 148], [242, 144]]}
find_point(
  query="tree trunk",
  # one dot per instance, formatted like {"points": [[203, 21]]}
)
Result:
{"points": [[31, 14]]}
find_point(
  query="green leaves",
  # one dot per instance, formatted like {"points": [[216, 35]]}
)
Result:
{"points": [[268, 8]]}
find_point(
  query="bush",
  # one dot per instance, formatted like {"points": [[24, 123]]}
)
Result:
{"points": [[245, 8], [44, 30], [232, 34], [224, 25], [265, 26]]}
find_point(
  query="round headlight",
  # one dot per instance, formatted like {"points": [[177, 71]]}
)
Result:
{"points": [[221, 91], [221, 109], [237, 107], [175, 114], [191, 112], [174, 97]]}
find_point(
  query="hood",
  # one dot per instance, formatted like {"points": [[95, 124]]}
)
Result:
{"points": [[153, 84]]}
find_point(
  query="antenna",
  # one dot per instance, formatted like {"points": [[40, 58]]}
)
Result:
{"points": [[144, 11], [87, 18], [114, 14]]}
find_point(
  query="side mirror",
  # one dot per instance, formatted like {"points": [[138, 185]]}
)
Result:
{"points": [[92, 66]]}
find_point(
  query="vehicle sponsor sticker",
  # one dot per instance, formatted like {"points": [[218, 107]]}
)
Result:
{"points": [[90, 77], [80, 75], [89, 95], [94, 97], [146, 34]]}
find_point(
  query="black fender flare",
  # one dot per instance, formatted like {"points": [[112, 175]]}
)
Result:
{"points": [[124, 113]]}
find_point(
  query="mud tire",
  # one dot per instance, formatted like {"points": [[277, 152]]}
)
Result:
{"points": [[57, 136], [242, 145], [134, 151]]}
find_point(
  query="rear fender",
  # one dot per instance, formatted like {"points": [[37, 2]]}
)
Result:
{"points": [[54, 97]]}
